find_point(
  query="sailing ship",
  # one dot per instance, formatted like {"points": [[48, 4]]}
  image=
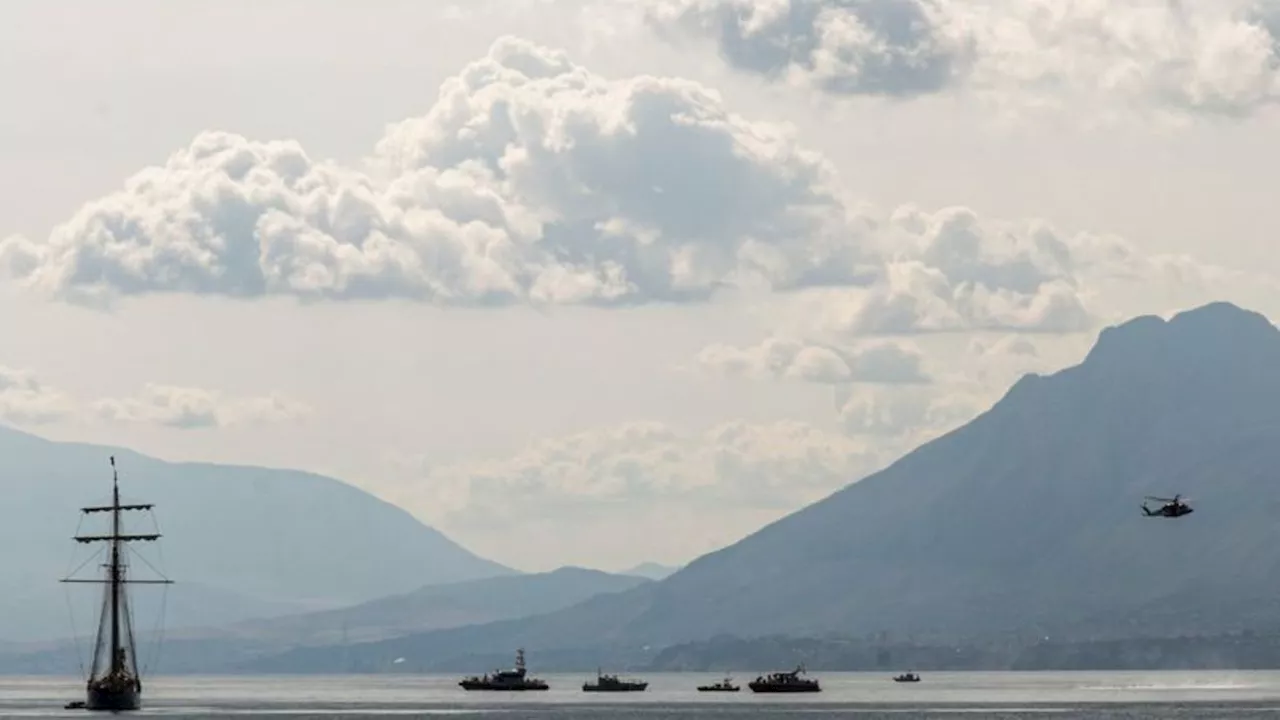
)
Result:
{"points": [[114, 683]]}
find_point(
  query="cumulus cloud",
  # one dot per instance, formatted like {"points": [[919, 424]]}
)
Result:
{"points": [[787, 358], [649, 489], [917, 298], [25, 400], [954, 271], [193, 408], [530, 180], [905, 418], [533, 180], [1214, 57], [999, 361], [898, 48]]}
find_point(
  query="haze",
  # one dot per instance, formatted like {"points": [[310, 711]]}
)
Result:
{"points": [[606, 283]]}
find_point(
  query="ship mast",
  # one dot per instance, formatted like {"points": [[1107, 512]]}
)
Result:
{"points": [[116, 664], [121, 662]]}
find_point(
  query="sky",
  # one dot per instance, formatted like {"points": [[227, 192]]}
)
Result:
{"points": [[599, 282]]}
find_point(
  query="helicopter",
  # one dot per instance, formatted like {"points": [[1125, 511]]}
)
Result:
{"points": [[1172, 508]]}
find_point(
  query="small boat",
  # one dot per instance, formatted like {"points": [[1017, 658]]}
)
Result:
{"points": [[611, 683], [515, 680], [907, 677], [784, 682], [725, 685]]}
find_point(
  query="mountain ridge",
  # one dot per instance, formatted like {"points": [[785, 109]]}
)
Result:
{"points": [[267, 537], [1022, 521], [437, 606]]}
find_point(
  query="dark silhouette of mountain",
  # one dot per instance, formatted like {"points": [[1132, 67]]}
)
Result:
{"points": [[241, 542], [1025, 521]]}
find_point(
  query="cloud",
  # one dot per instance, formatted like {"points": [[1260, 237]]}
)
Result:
{"points": [[1007, 346], [1215, 58], [192, 408], [530, 180], [533, 180], [905, 418], [786, 358], [917, 298], [896, 48], [952, 271], [645, 488], [24, 400], [999, 361]]}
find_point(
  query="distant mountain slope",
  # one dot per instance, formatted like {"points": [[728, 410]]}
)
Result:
{"points": [[651, 570], [1024, 520], [216, 649], [434, 607], [242, 541]]}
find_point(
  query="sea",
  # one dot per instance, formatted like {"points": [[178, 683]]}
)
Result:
{"points": [[1006, 695]]}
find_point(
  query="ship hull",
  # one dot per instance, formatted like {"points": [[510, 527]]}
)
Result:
{"points": [[113, 700], [639, 687], [784, 688], [502, 688]]}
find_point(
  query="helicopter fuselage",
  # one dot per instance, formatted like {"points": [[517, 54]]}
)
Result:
{"points": [[1169, 511]]}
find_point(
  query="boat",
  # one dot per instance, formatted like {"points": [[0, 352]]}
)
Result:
{"points": [[611, 683], [515, 680], [725, 685], [784, 682], [114, 682], [907, 677]]}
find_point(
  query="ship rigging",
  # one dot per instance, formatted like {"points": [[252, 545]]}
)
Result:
{"points": [[114, 682]]}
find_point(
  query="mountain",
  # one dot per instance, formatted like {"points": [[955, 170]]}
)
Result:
{"points": [[433, 607], [1023, 522], [240, 542], [650, 570], [211, 649]]}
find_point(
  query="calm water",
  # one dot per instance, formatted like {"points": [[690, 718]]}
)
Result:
{"points": [[670, 696]]}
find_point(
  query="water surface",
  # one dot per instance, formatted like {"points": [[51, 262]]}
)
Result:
{"points": [[1136, 695]]}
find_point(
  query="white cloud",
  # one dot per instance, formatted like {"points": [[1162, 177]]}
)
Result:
{"points": [[1219, 57], [530, 180], [952, 271], [25, 400], [998, 362], [787, 358], [192, 408], [917, 298], [644, 490], [904, 418]]}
